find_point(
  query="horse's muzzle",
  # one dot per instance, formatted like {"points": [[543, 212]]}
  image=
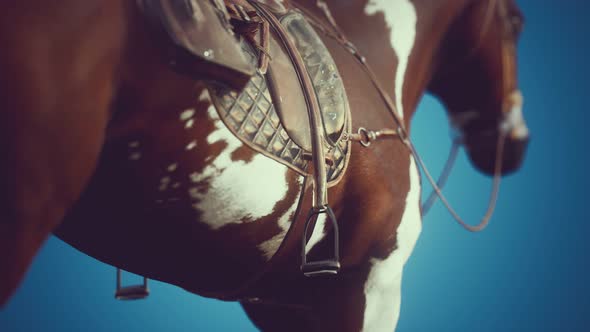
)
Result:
{"points": [[482, 151], [482, 146]]}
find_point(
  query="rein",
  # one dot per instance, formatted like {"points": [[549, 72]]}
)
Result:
{"points": [[365, 137]]}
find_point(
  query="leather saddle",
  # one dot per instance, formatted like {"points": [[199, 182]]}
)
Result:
{"points": [[255, 83], [294, 109], [279, 91], [272, 113], [203, 44]]}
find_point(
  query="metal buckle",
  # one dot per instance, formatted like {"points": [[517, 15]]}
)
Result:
{"points": [[323, 267], [135, 292]]}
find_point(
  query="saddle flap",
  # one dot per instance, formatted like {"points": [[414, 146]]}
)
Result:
{"points": [[201, 32]]}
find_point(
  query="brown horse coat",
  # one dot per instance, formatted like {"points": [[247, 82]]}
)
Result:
{"points": [[135, 158]]}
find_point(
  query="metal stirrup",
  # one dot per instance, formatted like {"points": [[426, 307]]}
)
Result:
{"points": [[135, 292], [322, 267]]}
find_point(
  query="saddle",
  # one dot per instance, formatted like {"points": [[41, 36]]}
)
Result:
{"points": [[273, 114], [258, 88], [283, 96], [294, 109]]}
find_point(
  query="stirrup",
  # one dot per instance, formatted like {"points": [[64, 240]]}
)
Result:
{"points": [[135, 292], [323, 267]]}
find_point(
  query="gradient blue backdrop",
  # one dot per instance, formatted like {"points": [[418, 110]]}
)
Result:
{"points": [[527, 272]]}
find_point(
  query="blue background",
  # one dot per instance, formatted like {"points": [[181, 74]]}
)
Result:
{"points": [[527, 272]]}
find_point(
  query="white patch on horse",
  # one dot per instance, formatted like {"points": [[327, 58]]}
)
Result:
{"points": [[194, 177], [135, 156], [270, 247], [187, 114], [319, 232], [194, 193], [204, 96], [212, 112], [134, 151], [237, 190], [514, 123], [191, 145], [383, 286], [172, 167], [401, 17], [165, 183]]}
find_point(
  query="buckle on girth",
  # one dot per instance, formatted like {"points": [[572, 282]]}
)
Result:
{"points": [[326, 267]]}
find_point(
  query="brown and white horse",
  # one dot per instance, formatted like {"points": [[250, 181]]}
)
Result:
{"points": [[128, 161]]}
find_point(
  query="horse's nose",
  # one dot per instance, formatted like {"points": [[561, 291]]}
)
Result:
{"points": [[482, 148], [483, 153], [514, 153]]}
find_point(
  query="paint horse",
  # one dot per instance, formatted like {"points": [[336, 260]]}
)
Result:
{"points": [[118, 145]]}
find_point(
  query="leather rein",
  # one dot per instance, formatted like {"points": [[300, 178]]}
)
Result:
{"points": [[366, 137]]}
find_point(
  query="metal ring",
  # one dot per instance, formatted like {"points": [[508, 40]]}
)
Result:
{"points": [[364, 137]]}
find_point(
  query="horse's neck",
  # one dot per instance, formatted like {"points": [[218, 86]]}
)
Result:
{"points": [[399, 38]]}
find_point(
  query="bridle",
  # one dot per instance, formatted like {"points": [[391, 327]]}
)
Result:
{"points": [[365, 137], [506, 125]]}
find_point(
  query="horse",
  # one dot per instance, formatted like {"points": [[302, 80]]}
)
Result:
{"points": [[123, 153]]}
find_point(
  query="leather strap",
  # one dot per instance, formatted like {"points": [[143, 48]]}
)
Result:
{"points": [[320, 198]]}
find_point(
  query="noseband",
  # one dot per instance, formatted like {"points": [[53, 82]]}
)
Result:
{"points": [[511, 23]]}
